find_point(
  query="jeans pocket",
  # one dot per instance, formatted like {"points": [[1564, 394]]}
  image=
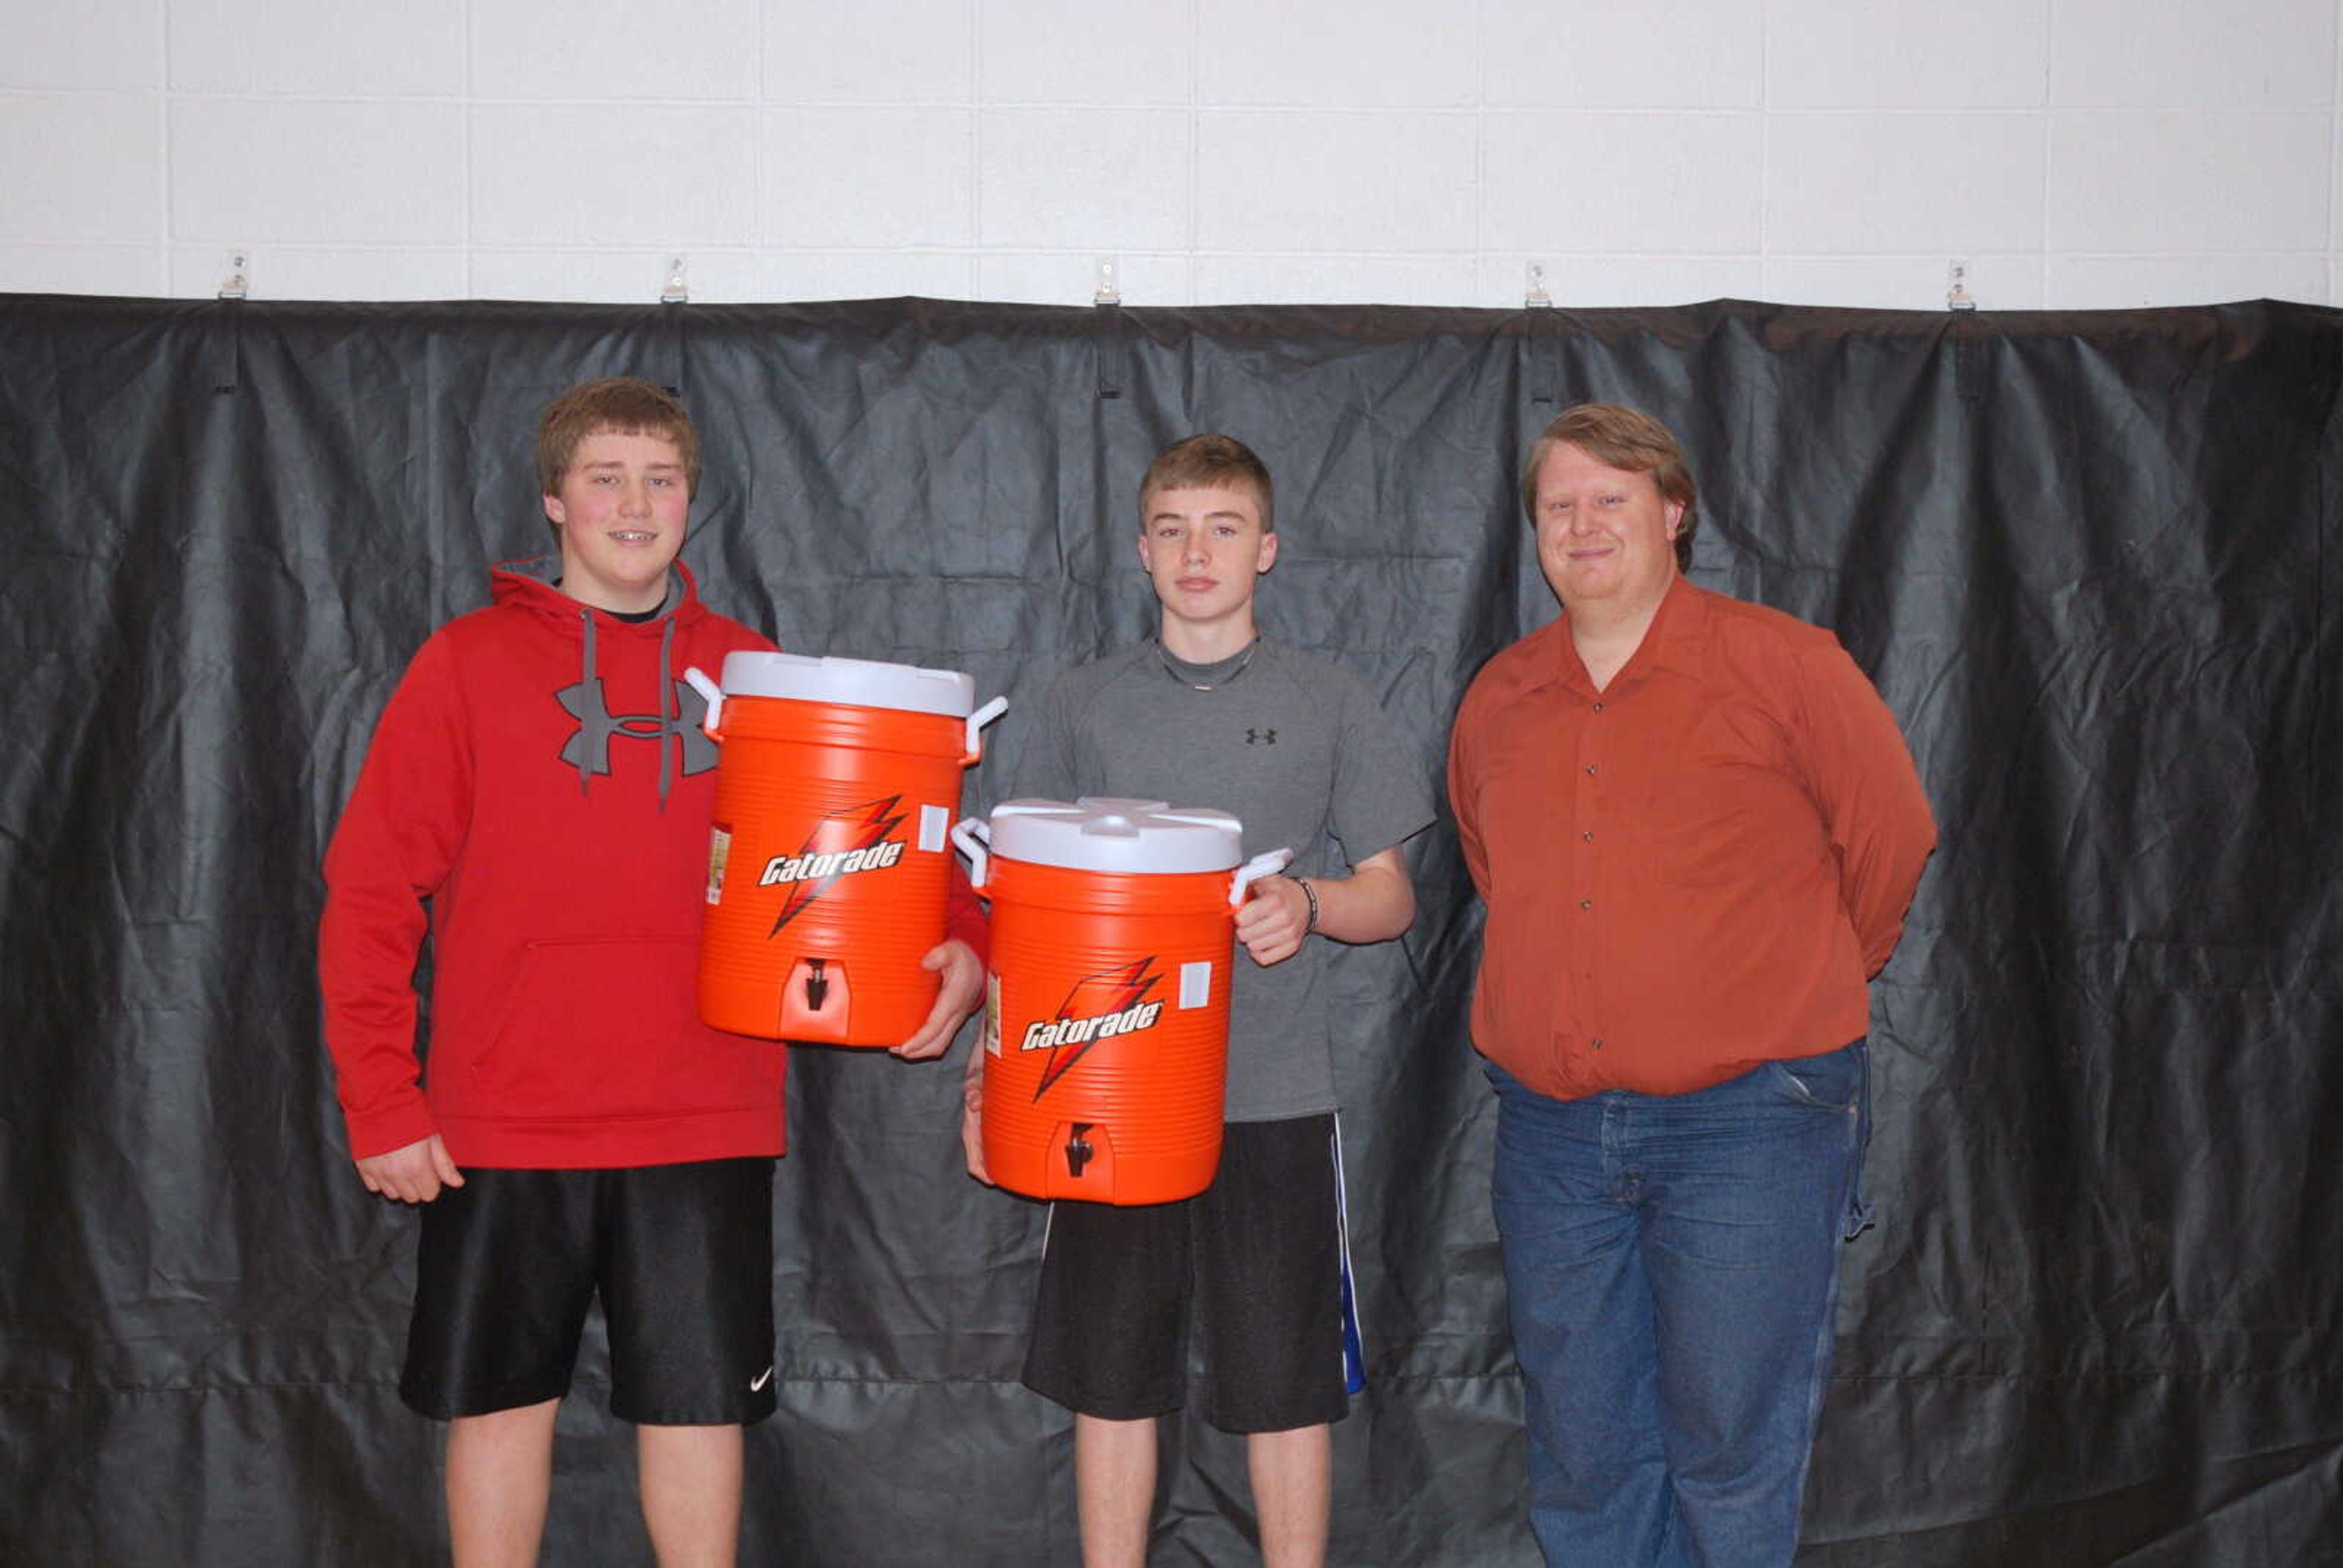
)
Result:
{"points": [[1837, 1082], [1831, 1082]]}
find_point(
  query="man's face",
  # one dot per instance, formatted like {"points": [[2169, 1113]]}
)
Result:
{"points": [[1203, 548], [1604, 536], [620, 510]]}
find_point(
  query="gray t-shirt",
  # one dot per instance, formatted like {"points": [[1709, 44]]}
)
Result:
{"points": [[1294, 745]]}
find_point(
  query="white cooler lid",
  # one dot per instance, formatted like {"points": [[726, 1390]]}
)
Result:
{"points": [[857, 682], [1100, 833]]}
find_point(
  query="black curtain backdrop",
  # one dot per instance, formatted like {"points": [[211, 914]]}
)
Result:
{"points": [[2090, 559]]}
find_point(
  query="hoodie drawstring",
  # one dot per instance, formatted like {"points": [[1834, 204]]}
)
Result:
{"points": [[586, 683], [671, 704], [671, 711]]}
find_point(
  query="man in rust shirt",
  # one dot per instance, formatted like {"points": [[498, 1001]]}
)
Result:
{"points": [[1696, 828]]}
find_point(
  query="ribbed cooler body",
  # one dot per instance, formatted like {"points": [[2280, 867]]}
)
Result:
{"points": [[1128, 1112], [828, 870]]}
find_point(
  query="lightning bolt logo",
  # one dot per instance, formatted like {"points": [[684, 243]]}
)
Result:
{"points": [[1113, 991], [847, 828]]}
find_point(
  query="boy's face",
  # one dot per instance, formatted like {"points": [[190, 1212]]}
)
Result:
{"points": [[1204, 548], [620, 511]]}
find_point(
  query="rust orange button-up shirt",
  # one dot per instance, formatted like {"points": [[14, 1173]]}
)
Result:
{"points": [[1693, 871]]}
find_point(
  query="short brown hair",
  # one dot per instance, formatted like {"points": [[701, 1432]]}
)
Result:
{"points": [[1620, 437], [1209, 462], [623, 405]]}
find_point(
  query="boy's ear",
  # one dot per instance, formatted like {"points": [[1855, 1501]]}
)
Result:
{"points": [[553, 511], [1268, 556]]}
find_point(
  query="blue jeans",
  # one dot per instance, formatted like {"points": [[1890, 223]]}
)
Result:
{"points": [[1671, 1266]]}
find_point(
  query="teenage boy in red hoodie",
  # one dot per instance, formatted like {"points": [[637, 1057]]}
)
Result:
{"points": [[538, 797]]}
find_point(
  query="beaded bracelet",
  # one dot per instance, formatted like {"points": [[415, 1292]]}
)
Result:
{"points": [[1310, 894]]}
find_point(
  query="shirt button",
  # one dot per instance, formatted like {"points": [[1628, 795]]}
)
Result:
{"points": [[1598, 707], [1598, 1043], [1587, 904], [1590, 767], [1588, 837]]}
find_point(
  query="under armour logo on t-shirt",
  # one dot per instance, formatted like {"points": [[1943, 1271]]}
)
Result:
{"points": [[1261, 738]]}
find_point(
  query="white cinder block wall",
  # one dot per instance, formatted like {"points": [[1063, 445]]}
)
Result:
{"points": [[2073, 153]]}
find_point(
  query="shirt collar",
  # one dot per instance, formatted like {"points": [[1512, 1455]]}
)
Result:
{"points": [[1676, 641]]}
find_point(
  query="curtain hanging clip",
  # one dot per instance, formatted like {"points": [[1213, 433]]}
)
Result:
{"points": [[675, 291], [238, 283]]}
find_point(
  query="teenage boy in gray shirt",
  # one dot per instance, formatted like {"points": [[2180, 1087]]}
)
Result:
{"points": [[1212, 714]]}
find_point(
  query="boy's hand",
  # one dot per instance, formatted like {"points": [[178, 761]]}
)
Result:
{"points": [[971, 1117], [1274, 921], [413, 1174], [955, 997]]}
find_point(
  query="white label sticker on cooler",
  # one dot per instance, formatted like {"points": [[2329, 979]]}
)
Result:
{"points": [[719, 849], [992, 1015], [1196, 984], [935, 822]]}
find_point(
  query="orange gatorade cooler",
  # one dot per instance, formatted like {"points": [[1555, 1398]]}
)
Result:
{"points": [[830, 858], [1106, 1028]]}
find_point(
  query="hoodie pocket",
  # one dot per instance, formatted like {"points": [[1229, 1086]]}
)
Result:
{"points": [[609, 1027]]}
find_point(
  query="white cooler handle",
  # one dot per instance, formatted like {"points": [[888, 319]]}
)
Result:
{"points": [[715, 695], [1267, 864], [978, 721], [975, 841]]}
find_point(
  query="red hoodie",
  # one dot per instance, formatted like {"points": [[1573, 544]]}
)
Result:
{"points": [[540, 776]]}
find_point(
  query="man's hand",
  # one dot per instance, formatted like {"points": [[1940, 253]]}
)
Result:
{"points": [[413, 1174], [971, 1117], [955, 997], [1275, 922]]}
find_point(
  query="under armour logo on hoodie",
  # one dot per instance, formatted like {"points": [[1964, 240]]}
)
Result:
{"points": [[589, 751]]}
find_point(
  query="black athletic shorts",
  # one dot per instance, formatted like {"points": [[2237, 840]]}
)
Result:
{"points": [[1255, 1259], [682, 1255]]}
